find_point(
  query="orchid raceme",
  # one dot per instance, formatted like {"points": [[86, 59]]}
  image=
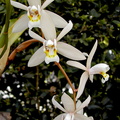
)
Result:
{"points": [[100, 68], [35, 14], [52, 46], [70, 111]]}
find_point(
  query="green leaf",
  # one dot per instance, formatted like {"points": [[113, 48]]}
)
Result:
{"points": [[94, 13], [116, 22], [3, 37], [12, 37], [60, 75]]}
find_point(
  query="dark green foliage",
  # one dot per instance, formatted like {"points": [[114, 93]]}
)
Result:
{"points": [[92, 19]]}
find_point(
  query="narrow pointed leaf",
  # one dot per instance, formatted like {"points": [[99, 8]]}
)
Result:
{"points": [[12, 36], [4, 35], [3, 59]]}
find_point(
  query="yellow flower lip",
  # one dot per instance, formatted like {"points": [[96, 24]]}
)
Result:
{"points": [[34, 14], [34, 19], [48, 53], [104, 74], [105, 77], [50, 49]]}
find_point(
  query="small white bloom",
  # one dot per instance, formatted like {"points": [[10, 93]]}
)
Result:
{"points": [[100, 68], [35, 14], [70, 113], [52, 46]]}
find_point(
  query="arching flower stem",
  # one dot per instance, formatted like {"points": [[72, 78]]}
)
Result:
{"points": [[21, 47], [68, 80]]}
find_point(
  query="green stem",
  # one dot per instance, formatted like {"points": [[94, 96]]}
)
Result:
{"points": [[4, 35], [8, 13]]}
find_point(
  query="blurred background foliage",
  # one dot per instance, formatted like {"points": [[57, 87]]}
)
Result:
{"points": [[26, 92]]}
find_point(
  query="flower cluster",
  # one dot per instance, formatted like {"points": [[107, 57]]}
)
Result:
{"points": [[48, 22]]}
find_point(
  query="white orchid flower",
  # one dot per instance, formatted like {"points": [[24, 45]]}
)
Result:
{"points": [[34, 15], [52, 46], [70, 112], [100, 68]]}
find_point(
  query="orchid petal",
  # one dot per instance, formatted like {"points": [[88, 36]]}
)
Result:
{"points": [[91, 77], [37, 58], [68, 103], [81, 117], [77, 105], [60, 117], [91, 118], [85, 54], [46, 3], [98, 68], [59, 22], [34, 2], [69, 51], [83, 80], [76, 64], [88, 64], [47, 26], [36, 36], [18, 5], [65, 30], [21, 24], [56, 104], [84, 104], [68, 116]]}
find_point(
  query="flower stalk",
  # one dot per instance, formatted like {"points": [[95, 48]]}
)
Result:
{"points": [[68, 80]]}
